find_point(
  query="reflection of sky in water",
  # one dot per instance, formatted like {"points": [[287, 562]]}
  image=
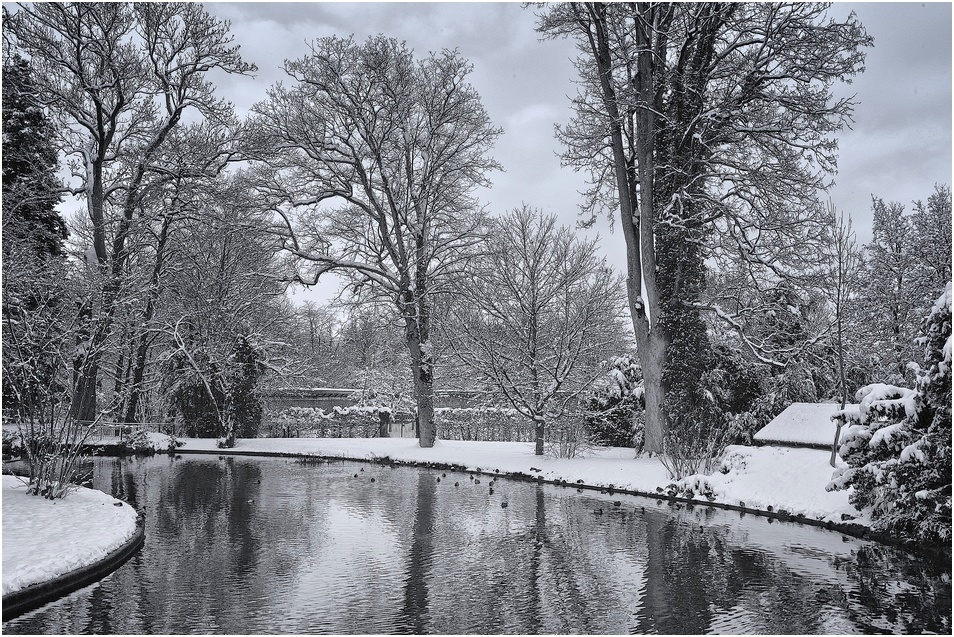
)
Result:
{"points": [[252, 545]]}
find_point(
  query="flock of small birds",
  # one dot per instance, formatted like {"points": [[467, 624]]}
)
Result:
{"points": [[476, 481], [599, 511]]}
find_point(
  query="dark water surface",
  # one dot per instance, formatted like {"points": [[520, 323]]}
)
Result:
{"points": [[262, 545]]}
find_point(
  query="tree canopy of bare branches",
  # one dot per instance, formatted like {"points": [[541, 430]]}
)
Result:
{"points": [[120, 79], [539, 314]]}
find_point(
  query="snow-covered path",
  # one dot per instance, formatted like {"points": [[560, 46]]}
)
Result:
{"points": [[43, 539]]}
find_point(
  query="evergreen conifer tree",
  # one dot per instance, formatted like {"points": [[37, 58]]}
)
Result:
{"points": [[898, 444], [31, 189]]}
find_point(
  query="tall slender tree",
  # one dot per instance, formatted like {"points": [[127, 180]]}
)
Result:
{"points": [[693, 119]]}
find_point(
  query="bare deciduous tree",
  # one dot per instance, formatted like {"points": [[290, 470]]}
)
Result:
{"points": [[540, 312], [373, 159], [119, 78]]}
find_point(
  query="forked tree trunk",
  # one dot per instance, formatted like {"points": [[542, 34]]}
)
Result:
{"points": [[651, 353], [634, 185]]}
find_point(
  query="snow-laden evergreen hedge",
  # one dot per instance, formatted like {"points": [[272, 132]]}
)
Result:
{"points": [[454, 423], [340, 422], [897, 444]]}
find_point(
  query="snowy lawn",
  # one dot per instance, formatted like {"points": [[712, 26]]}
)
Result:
{"points": [[784, 478], [43, 539]]}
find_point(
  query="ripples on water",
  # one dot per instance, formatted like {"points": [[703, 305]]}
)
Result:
{"points": [[254, 545]]}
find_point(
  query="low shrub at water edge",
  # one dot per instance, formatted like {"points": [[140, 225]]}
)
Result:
{"points": [[149, 442]]}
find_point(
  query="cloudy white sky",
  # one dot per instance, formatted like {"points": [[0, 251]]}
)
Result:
{"points": [[899, 147]]}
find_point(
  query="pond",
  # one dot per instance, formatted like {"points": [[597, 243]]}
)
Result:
{"points": [[261, 545]]}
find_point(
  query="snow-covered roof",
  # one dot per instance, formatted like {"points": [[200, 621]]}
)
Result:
{"points": [[801, 424]]}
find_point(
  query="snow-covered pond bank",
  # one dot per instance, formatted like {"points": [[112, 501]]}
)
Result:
{"points": [[43, 539], [786, 479], [290, 545]]}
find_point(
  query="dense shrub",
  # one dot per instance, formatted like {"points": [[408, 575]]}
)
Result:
{"points": [[614, 413], [214, 396]]}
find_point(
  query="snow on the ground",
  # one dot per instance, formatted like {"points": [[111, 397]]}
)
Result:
{"points": [[604, 466], [781, 477], [784, 478], [801, 423], [43, 539]]}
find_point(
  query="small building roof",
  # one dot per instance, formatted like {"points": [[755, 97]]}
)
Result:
{"points": [[801, 425]]}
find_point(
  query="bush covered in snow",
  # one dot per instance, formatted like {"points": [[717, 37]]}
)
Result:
{"points": [[615, 411], [150, 442], [12, 444], [897, 444]]}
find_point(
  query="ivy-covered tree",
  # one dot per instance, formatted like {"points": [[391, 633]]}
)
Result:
{"points": [[898, 444], [706, 129]]}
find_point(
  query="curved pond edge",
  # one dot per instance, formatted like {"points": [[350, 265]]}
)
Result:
{"points": [[36, 595], [846, 528]]}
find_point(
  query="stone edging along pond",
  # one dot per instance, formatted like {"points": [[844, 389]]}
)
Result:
{"points": [[846, 528], [36, 595]]}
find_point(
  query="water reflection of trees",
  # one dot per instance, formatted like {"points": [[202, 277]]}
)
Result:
{"points": [[415, 610], [899, 595], [254, 541], [698, 580]]}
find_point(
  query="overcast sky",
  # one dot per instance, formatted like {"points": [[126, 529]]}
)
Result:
{"points": [[900, 145]]}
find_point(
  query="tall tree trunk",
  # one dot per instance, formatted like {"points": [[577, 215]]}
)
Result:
{"points": [[422, 367], [539, 430], [636, 218], [83, 406], [651, 349]]}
